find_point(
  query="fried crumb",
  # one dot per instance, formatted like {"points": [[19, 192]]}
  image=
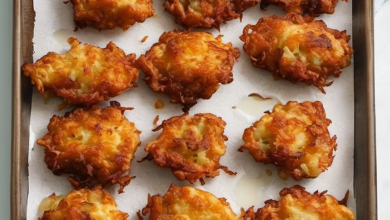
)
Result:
{"points": [[159, 104], [155, 121], [144, 39]]}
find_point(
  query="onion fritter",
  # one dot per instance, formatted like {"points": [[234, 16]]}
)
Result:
{"points": [[188, 203], [95, 145], [85, 74], [108, 14], [294, 137], [201, 13], [297, 203], [83, 204], [190, 146], [188, 66], [312, 7], [297, 48]]}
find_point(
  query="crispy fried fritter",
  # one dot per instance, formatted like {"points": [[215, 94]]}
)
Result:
{"points": [[93, 145], [85, 74], [312, 7], [188, 66], [297, 203], [242, 5], [206, 13], [108, 14], [294, 137], [201, 13], [83, 204], [190, 146], [188, 203], [297, 48]]}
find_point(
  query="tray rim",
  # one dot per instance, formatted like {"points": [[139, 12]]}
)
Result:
{"points": [[364, 135], [16, 133], [364, 166]]}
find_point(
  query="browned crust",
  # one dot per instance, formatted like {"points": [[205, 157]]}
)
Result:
{"points": [[188, 202], [293, 136], [206, 13], [242, 5], [188, 66], [190, 146], [94, 145], [311, 7], [296, 202], [85, 74], [310, 56], [74, 205], [201, 13], [109, 14]]}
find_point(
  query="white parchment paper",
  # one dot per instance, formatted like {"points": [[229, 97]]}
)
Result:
{"points": [[251, 186]]}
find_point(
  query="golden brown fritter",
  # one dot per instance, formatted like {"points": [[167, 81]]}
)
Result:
{"points": [[108, 14], [188, 66], [95, 145], [85, 74], [312, 7], [201, 13], [242, 5], [83, 204], [297, 203], [206, 13], [297, 48], [294, 137], [190, 146], [188, 203]]}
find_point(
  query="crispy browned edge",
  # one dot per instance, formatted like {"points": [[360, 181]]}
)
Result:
{"points": [[365, 163]]}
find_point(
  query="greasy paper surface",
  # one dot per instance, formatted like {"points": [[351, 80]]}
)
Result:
{"points": [[251, 186]]}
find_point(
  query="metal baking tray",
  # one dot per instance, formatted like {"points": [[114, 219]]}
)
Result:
{"points": [[364, 154]]}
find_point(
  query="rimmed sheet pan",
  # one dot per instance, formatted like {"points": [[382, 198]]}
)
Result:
{"points": [[365, 164]]}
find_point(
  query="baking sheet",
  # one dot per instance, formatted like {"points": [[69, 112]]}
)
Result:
{"points": [[51, 34]]}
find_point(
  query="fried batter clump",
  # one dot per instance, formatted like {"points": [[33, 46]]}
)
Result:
{"points": [[294, 137], [190, 146], [297, 48], [188, 203], [201, 13], [297, 203], [108, 14], [206, 13], [85, 74], [312, 7], [83, 204], [188, 66], [95, 145]]}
